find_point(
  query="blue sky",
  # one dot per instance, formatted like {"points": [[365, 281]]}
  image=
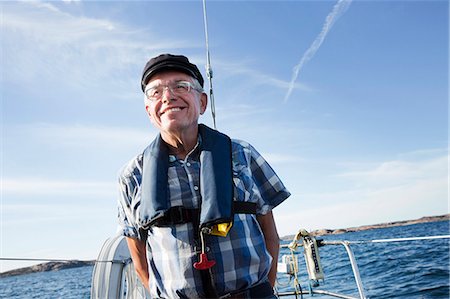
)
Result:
{"points": [[362, 137]]}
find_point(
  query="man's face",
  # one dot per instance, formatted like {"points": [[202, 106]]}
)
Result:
{"points": [[175, 114]]}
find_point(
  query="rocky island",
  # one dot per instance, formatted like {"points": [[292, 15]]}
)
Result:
{"points": [[323, 232], [49, 266]]}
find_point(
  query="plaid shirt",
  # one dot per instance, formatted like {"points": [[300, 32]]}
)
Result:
{"points": [[242, 259]]}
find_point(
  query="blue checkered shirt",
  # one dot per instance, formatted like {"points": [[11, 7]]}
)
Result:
{"points": [[242, 259]]}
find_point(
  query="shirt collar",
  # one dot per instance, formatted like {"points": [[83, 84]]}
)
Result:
{"points": [[193, 154]]}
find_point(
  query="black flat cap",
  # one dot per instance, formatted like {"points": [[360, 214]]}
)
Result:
{"points": [[165, 62]]}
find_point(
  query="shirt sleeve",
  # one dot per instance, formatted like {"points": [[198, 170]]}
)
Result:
{"points": [[129, 184], [267, 188]]}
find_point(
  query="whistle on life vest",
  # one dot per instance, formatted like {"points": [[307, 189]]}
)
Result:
{"points": [[204, 263]]}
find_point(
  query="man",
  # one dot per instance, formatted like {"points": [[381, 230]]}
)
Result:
{"points": [[196, 206]]}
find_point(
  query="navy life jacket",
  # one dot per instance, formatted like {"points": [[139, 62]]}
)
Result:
{"points": [[216, 184]]}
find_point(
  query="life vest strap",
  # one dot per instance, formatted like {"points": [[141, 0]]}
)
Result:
{"points": [[180, 215]]}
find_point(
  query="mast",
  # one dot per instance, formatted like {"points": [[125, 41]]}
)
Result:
{"points": [[209, 72]]}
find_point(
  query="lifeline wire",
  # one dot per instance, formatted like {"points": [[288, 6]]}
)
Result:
{"points": [[403, 239], [61, 260], [209, 71], [334, 242]]}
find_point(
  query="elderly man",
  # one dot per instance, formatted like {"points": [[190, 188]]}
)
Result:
{"points": [[196, 206]]}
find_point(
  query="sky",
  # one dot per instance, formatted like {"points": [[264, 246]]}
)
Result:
{"points": [[347, 100]]}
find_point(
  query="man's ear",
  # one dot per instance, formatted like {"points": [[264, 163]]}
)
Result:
{"points": [[147, 109], [203, 102]]}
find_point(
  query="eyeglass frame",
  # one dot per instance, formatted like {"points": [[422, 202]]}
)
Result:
{"points": [[171, 86]]}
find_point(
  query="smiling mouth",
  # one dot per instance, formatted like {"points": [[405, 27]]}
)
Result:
{"points": [[175, 109]]}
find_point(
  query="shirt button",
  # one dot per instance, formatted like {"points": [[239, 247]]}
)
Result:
{"points": [[188, 164], [195, 188]]}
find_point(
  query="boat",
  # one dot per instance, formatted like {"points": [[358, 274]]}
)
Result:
{"points": [[114, 275]]}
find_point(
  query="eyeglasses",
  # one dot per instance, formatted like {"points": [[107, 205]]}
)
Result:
{"points": [[155, 93]]}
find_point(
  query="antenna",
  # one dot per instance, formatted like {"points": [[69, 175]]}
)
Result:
{"points": [[209, 71]]}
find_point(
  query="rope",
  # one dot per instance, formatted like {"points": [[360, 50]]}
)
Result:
{"points": [[209, 72]]}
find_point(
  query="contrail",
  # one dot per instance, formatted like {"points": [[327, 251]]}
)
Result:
{"points": [[339, 8]]}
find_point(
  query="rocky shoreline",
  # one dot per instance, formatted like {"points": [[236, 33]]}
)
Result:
{"points": [[323, 232], [55, 266]]}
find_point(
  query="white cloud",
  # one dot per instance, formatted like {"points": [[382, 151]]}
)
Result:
{"points": [[274, 158], [427, 198], [388, 191], [256, 77], [43, 44], [401, 171], [231, 113], [79, 136], [45, 186]]}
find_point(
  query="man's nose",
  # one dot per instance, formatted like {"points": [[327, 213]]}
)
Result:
{"points": [[167, 94]]}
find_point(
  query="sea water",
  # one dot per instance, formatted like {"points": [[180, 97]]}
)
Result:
{"points": [[68, 283], [411, 269], [408, 269]]}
